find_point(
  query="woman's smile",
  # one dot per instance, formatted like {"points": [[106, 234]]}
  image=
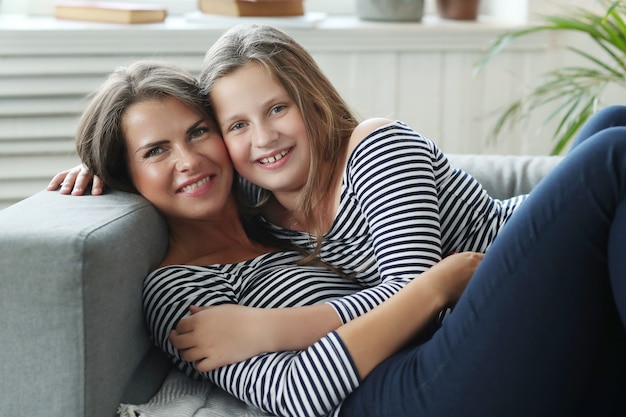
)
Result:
{"points": [[197, 187]]}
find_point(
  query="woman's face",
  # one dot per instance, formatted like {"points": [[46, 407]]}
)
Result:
{"points": [[177, 159], [263, 129]]}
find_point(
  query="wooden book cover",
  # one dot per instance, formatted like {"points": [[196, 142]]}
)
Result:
{"points": [[252, 8], [112, 12]]}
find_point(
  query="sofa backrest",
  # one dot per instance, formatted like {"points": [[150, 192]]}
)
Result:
{"points": [[505, 176]]}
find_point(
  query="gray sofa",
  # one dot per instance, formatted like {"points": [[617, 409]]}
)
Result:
{"points": [[74, 342]]}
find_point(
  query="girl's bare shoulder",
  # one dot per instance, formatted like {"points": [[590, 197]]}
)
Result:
{"points": [[365, 128]]}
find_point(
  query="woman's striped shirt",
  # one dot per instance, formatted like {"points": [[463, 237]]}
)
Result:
{"points": [[312, 382]]}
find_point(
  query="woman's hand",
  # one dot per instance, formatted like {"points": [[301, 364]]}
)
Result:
{"points": [[219, 335], [75, 181]]}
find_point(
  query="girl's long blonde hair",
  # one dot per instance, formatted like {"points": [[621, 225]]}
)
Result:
{"points": [[328, 120]]}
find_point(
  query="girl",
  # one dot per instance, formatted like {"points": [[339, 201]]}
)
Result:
{"points": [[541, 300], [327, 183]]}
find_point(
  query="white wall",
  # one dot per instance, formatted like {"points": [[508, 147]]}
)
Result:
{"points": [[420, 73]]}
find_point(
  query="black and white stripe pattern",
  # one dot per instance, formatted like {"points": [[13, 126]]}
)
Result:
{"points": [[404, 206], [312, 382]]}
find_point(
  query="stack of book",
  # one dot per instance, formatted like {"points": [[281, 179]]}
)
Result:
{"points": [[252, 7]]}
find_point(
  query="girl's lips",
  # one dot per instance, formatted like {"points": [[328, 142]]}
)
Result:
{"points": [[274, 158]]}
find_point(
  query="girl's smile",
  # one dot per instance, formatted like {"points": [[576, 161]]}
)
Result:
{"points": [[271, 159]]}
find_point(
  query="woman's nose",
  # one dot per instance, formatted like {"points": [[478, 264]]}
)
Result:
{"points": [[187, 159]]}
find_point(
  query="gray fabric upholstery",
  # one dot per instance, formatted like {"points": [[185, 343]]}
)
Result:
{"points": [[505, 176], [70, 301], [73, 339]]}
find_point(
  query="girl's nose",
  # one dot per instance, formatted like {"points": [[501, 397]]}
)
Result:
{"points": [[263, 136]]}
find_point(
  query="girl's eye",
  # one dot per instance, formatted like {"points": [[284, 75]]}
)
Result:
{"points": [[278, 109]]}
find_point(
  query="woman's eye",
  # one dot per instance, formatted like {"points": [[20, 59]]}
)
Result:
{"points": [[153, 152], [198, 132]]}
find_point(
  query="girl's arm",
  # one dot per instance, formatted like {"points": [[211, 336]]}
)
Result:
{"points": [[75, 181], [215, 336], [219, 335], [417, 208], [394, 175], [379, 333]]}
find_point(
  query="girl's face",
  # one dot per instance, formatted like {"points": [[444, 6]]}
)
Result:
{"points": [[263, 129], [177, 159]]}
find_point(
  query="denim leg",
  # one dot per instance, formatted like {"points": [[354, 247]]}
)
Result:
{"points": [[611, 116], [530, 332]]}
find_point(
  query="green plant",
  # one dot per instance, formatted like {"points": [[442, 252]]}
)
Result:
{"points": [[574, 92]]}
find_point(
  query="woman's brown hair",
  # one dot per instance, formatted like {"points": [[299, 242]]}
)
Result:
{"points": [[100, 138]]}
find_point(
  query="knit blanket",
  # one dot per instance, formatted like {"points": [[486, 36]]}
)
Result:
{"points": [[180, 396]]}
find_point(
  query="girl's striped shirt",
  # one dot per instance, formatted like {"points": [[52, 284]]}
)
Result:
{"points": [[403, 207]]}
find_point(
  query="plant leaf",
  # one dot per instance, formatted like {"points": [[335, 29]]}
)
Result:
{"points": [[573, 91]]}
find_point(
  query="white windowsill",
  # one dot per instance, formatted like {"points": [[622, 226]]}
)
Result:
{"points": [[26, 35]]}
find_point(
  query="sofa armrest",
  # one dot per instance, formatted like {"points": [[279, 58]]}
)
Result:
{"points": [[71, 272], [505, 176]]}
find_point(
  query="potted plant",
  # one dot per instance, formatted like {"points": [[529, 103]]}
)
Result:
{"points": [[574, 92], [458, 9]]}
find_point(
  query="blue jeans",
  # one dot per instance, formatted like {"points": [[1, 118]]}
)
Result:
{"points": [[538, 330]]}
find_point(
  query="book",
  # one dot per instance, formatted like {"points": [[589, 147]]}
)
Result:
{"points": [[111, 12], [252, 7]]}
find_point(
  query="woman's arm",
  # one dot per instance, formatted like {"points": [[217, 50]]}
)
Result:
{"points": [[219, 335], [270, 381], [282, 329]]}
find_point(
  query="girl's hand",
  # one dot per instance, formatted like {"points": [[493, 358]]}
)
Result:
{"points": [[219, 335], [75, 181], [450, 276], [374, 336]]}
